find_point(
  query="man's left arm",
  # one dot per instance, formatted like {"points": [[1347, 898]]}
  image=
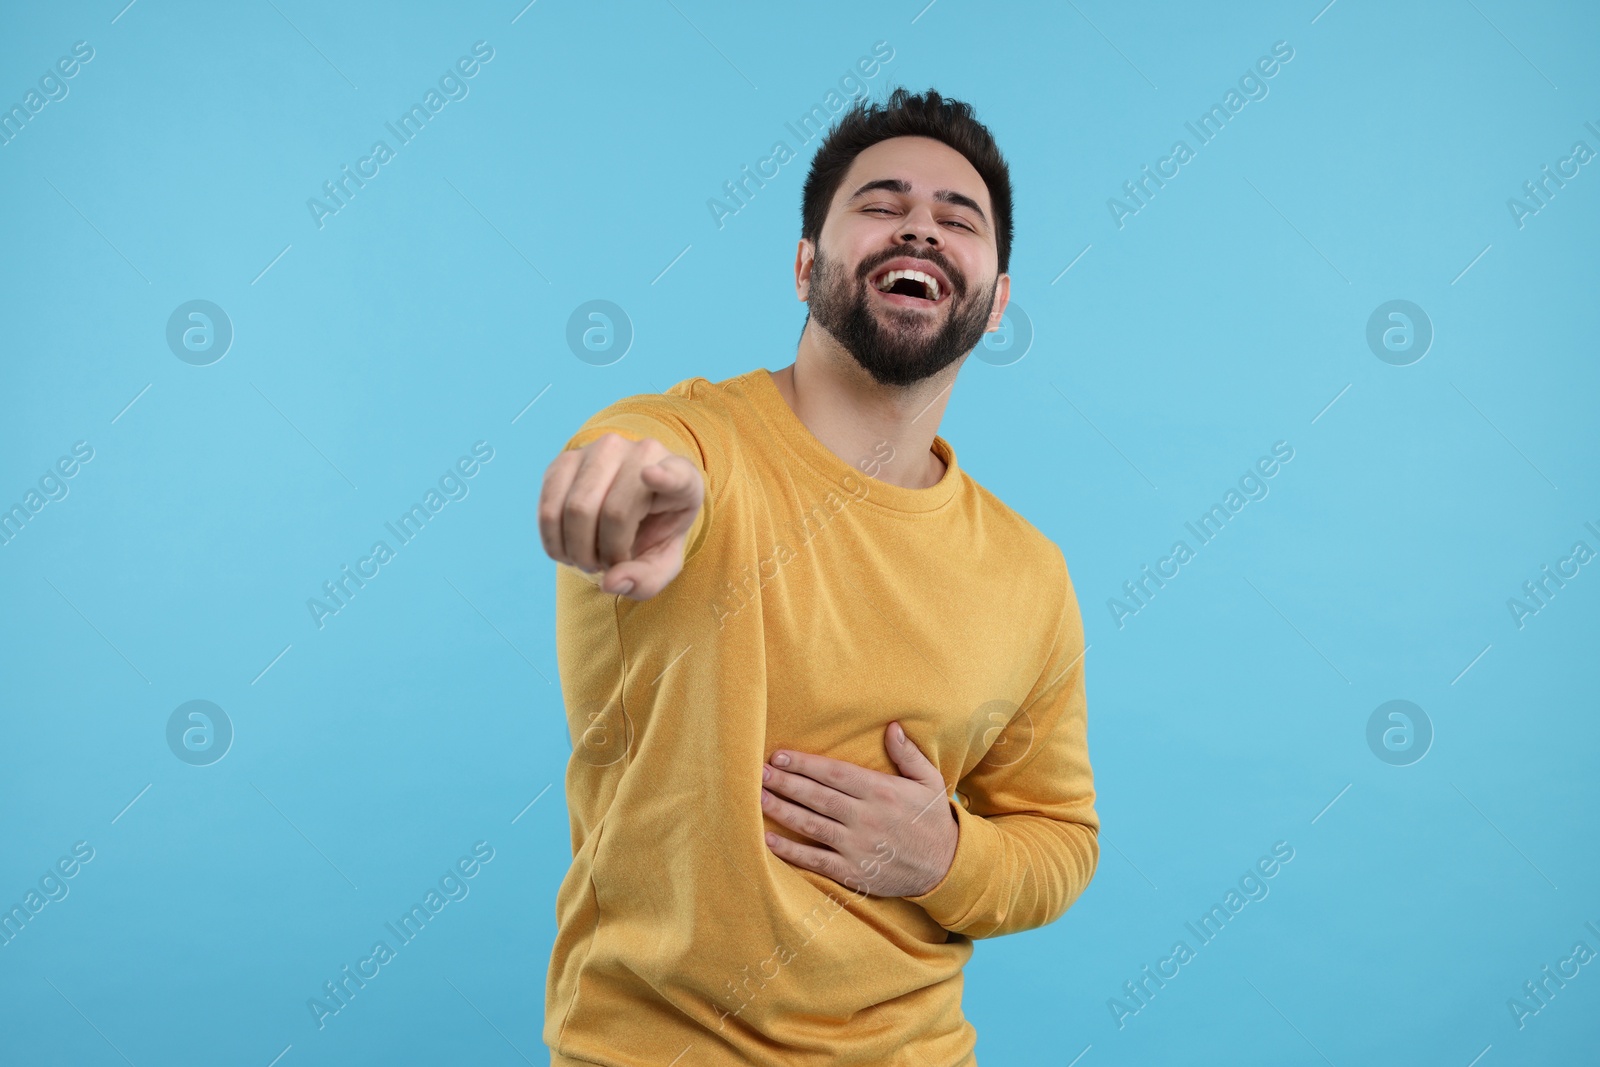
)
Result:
{"points": [[1029, 840]]}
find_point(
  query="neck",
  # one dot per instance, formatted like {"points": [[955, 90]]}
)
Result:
{"points": [[856, 418]]}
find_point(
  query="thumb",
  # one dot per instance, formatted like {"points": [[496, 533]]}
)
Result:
{"points": [[909, 758], [648, 573]]}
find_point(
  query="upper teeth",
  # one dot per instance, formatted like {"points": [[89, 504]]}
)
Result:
{"points": [[886, 282]]}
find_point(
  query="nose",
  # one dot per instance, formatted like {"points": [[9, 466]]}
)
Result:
{"points": [[920, 225]]}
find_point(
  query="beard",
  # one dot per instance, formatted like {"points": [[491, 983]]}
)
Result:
{"points": [[901, 347]]}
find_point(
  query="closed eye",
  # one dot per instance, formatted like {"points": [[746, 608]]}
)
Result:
{"points": [[890, 211]]}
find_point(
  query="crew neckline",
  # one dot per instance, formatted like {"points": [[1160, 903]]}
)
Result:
{"points": [[786, 425]]}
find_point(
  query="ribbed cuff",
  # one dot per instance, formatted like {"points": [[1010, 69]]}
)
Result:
{"points": [[951, 902]]}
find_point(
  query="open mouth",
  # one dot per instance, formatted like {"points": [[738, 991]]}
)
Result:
{"points": [[909, 288]]}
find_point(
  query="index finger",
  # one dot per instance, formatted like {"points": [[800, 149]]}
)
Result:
{"points": [[627, 503], [672, 479], [848, 778]]}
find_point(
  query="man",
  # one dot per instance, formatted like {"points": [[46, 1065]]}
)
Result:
{"points": [[792, 566]]}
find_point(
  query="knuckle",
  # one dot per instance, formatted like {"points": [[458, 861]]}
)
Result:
{"points": [[614, 507], [835, 807], [583, 504], [623, 447]]}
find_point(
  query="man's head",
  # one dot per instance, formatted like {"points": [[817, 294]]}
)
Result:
{"points": [[917, 184]]}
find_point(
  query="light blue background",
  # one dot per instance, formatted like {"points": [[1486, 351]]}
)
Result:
{"points": [[369, 354]]}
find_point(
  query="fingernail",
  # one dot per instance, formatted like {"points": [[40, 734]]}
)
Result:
{"points": [[781, 759], [625, 588], [766, 773]]}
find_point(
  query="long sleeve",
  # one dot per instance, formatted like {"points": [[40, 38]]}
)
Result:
{"points": [[1029, 837]]}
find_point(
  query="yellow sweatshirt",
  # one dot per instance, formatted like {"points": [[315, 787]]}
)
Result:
{"points": [[816, 603]]}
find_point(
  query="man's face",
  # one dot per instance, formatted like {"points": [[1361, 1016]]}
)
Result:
{"points": [[936, 218]]}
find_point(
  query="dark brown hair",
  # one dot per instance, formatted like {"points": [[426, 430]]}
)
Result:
{"points": [[906, 115]]}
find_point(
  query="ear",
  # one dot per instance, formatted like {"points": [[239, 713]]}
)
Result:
{"points": [[805, 258], [1002, 297]]}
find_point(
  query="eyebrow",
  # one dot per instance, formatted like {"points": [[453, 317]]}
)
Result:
{"points": [[899, 185]]}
